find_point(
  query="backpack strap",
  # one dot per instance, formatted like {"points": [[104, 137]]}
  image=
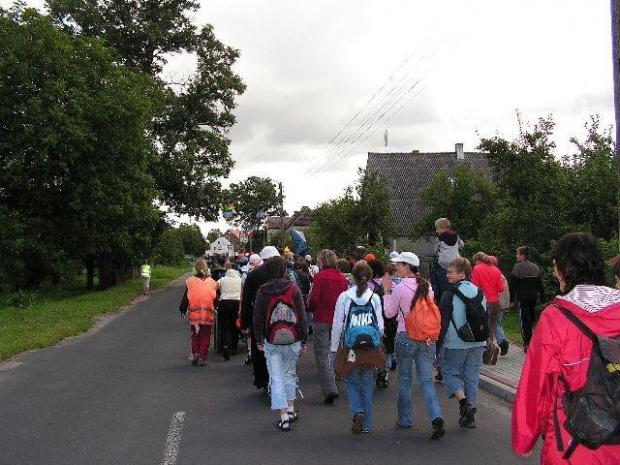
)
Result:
{"points": [[577, 322]]}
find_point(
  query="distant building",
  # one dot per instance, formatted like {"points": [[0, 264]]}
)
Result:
{"points": [[300, 220], [221, 246], [406, 174]]}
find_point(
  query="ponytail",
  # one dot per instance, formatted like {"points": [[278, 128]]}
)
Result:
{"points": [[361, 274], [421, 291], [362, 285]]}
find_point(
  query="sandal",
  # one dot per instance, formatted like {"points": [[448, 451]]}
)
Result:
{"points": [[284, 425], [293, 416]]}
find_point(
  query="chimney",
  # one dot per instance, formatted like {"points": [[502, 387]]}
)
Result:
{"points": [[458, 149], [415, 152]]}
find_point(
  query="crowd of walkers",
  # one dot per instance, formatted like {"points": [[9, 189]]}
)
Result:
{"points": [[367, 318]]}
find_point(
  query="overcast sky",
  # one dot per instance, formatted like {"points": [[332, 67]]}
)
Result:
{"points": [[459, 71]]}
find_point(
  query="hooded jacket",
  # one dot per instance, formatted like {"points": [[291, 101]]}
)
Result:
{"points": [[342, 310], [559, 348], [255, 279], [328, 284], [264, 294]]}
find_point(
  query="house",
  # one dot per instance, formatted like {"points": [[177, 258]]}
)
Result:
{"points": [[299, 220], [221, 246], [406, 174]]}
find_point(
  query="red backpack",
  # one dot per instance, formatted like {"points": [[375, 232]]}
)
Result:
{"points": [[281, 322]]}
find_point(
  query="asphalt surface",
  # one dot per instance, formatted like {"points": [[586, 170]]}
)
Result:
{"points": [[125, 393]]}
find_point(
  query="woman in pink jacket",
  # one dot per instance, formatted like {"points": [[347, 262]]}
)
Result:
{"points": [[559, 354]]}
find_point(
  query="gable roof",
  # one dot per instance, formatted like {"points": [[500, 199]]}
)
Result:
{"points": [[273, 222], [408, 173], [301, 218]]}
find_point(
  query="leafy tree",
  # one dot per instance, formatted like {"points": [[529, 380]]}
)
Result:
{"points": [[214, 234], [169, 250], [373, 212], [192, 240], [73, 145], [334, 225], [253, 197], [531, 187], [593, 182], [467, 197], [144, 32], [190, 135]]}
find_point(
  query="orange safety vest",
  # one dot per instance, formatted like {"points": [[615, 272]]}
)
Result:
{"points": [[201, 295]]}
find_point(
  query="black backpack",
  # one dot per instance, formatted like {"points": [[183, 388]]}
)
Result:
{"points": [[476, 327], [593, 412]]}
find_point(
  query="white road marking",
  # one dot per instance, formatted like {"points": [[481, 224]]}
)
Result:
{"points": [[174, 438]]}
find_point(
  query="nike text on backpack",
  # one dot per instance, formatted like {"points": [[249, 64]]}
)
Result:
{"points": [[423, 322], [593, 412], [281, 324], [476, 327], [361, 328]]}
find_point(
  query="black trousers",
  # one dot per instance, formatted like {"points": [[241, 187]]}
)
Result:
{"points": [[527, 317], [228, 312], [259, 363]]}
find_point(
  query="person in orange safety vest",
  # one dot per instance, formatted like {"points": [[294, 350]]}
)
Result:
{"points": [[198, 305]]}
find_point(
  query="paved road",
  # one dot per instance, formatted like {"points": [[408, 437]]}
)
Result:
{"points": [[125, 394]]}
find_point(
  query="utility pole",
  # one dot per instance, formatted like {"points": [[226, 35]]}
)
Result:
{"points": [[615, 39], [281, 217]]}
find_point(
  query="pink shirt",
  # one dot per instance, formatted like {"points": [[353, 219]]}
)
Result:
{"points": [[399, 301]]}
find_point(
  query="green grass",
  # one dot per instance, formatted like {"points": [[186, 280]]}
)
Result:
{"points": [[37, 320], [510, 322]]}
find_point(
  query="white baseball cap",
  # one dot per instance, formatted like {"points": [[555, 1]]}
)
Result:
{"points": [[269, 252], [407, 257], [393, 254]]}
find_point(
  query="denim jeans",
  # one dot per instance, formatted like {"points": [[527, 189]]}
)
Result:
{"points": [[282, 363], [322, 337], [461, 370], [408, 351], [359, 388], [500, 336]]}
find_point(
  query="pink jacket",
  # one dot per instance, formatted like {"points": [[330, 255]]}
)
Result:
{"points": [[399, 301], [559, 348]]}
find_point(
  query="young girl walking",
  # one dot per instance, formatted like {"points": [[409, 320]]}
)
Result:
{"points": [[356, 339]]}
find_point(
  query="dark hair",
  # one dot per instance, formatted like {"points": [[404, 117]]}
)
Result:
{"points": [[377, 268], [615, 265], [525, 251], [301, 265], [579, 260], [422, 289], [221, 260], [344, 266], [276, 267], [361, 274]]}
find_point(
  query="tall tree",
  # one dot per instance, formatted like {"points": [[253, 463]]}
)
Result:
{"points": [[334, 225], [254, 199], [465, 196], [531, 187], [192, 240], [190, 135], [73, 144], [593, 183], [373, 212]]}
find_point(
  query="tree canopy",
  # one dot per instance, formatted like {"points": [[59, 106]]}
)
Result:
{"points": [[254, 199]]}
